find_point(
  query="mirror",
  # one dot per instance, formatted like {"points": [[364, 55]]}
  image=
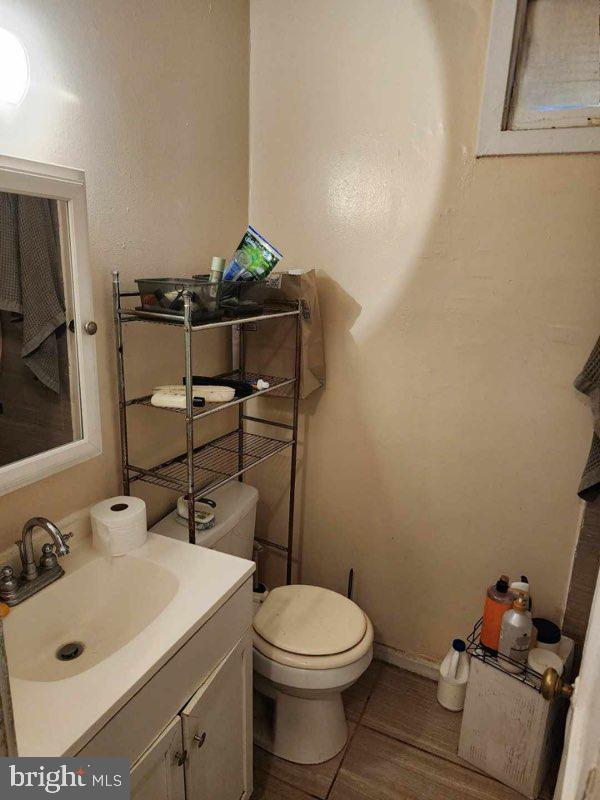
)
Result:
{"points": [[39, 384], [48, 379]]}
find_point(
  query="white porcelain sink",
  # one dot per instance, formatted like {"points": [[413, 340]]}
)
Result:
{"points": [[102, 606], [131, 613]]}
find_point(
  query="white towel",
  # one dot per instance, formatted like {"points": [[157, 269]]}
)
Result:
{"points": [[174, 396]]}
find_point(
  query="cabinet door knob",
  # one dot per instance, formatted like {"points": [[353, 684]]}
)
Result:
{"points": [[180, 758], [200, 739], [90, 327]]}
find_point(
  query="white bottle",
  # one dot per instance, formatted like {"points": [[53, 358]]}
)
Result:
{"points": [[522, 587], [515, 635], [454, 674]]}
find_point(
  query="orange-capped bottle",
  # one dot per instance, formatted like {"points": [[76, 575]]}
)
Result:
{"points": [[498, 601]]}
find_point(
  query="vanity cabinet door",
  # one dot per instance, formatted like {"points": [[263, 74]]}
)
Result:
{"points": [[217, 730], [158, 773]]}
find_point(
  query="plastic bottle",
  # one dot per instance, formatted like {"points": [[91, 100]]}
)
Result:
{"points": [[217, 267], [454, 674], [515, 635], [522, 587], [497, 602]]}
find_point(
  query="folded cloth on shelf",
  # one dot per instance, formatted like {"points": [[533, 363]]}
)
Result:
{"points": [[588, 382], [174, 396], [241, 388]]}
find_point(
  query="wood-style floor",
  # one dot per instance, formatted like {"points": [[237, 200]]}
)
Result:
{"points": [[402, 746]]}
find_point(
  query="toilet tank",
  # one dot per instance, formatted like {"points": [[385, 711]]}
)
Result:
{"points": [[235, 514]]}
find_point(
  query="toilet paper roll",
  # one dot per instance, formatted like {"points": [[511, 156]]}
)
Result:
{"points": [[119, 525]]}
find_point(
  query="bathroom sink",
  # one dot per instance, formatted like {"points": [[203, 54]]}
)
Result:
{"points": [[86, 616], [131, 614]]}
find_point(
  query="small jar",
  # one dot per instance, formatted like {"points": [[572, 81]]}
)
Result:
{"points": [[548, 634]]}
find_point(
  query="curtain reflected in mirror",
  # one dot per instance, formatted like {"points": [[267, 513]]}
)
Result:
{"points": [[39, 386]]}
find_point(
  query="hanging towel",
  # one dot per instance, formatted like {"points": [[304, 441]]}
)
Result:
{"points": [[588, 382], [31, 279]]}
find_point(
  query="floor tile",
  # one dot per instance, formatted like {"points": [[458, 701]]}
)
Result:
{"points": [[355, 698], [267, 787], [315, 779], [404, 705], [377, 767]]}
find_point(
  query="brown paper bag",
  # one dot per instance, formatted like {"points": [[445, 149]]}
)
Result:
{"points": [[270, 346]]}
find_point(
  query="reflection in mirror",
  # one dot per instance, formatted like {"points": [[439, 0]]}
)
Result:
{"points": [[39, 385]]}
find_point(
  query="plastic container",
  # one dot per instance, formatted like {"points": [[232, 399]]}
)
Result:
{"points": [[217, 268], [165, 296], [254, 258], [454, 674], [498, 600], [539, 660], [240, 298], [515, 635], [522, 587], [548, 634], [233, 531]]}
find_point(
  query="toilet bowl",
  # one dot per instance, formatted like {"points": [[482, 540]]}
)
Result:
{"points": [[310, 644]]}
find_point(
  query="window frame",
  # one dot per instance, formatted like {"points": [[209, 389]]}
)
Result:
{"points": [[494, 139]]}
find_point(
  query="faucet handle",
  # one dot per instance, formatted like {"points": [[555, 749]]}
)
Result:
{"points": [[8, 582], [48, 559]]}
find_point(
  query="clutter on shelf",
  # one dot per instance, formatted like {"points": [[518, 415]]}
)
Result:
{"points": [[509, 729]]}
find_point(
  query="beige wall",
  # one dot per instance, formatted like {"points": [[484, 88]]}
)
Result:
{"points": [[460, 297], [151, 100]]}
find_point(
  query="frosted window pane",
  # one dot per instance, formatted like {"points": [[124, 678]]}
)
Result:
{"points": [[557, 80]]}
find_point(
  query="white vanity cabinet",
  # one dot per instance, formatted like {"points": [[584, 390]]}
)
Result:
{"points": [[217, 731], [158, 773], [188, 730]]}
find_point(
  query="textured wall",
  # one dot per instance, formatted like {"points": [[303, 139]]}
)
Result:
{"points": [[460, 298], [151, 100]]}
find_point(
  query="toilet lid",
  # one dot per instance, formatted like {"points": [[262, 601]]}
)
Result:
{"points": [[310, 621]]}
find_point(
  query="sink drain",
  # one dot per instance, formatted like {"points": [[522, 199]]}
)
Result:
{"points": [[70, 651]]}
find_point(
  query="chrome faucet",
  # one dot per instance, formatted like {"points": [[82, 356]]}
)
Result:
{"points": [[34, 576], [25, 544]]}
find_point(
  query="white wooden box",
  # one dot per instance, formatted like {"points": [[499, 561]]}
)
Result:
{"points": [[508, 730]]}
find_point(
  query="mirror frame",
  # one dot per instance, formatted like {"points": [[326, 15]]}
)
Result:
{"points": [[62, 183]]}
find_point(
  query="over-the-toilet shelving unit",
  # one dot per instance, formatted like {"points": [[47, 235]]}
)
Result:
{"points": [[203, 468]]}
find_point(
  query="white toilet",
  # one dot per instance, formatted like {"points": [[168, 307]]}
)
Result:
{"points": [[309, 644]]}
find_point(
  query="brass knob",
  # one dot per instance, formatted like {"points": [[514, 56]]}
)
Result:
{"points": [[554, 686], [200, 739], [90, 327]]}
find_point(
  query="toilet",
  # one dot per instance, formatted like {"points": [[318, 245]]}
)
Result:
{"points": [[310, 643]]}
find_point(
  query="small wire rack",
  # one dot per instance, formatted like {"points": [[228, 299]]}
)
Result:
{"points": [[514, 669], [215, 463], [211, 408]]}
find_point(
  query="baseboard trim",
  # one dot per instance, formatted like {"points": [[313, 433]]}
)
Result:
{"points": [[417, 664]]}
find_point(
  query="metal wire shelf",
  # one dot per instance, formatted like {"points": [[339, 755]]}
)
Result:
{"points": [[215, 462], [211, 408], [205, 468], [501, 662], [270, 312]]}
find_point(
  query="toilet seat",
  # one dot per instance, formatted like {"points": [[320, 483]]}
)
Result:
{"points": [[310, 621], [333, 661]]}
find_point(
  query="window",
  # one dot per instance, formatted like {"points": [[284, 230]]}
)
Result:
{"points": [[542, 85]]}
